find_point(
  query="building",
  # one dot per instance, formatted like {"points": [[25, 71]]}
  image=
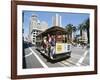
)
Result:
{"points": [[43, 25], [36, 27], [73, 36], [56, 20], [84, 36]]}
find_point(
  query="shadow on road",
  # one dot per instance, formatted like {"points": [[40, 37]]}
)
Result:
{"points": [[25, 45], [24, 60], [54, 60]]}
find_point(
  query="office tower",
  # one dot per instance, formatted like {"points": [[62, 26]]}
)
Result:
{"points": [[56, 20]]}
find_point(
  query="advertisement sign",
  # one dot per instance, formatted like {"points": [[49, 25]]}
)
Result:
{"points": [[62, 47], [59, 47]]}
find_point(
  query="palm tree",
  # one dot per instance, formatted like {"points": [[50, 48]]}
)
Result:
{"points": [[69, 29], [74, 29], [87, 27], [84, 27]]}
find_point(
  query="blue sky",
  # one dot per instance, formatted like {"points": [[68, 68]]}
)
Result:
{"points": [[67, 18]]}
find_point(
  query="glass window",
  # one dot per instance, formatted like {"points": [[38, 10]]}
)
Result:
{"points": [[33, 35], [33, 40]]}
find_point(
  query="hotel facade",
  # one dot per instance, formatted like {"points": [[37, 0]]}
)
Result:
{"points": [[36, 27]]}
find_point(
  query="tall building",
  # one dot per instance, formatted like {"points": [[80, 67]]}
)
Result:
{"points": [[84, 36], [43, 25], [56, 20], [36, 27], [73, 36]]}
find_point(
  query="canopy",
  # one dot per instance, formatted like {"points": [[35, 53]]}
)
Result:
{"points": [[53, 31]]}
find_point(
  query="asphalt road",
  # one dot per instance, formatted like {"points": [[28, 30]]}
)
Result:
{"points": [[34, 59]]}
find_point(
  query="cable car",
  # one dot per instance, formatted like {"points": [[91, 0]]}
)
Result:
{"points": [[53, 43]]}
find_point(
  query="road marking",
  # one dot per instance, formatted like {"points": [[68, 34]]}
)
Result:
{"points": [[44, 65], [82, 58], [66, 63], [71, 62], [63, 65], [28, 54]]}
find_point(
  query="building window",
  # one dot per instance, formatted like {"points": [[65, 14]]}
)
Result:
{"points": [[33, 35], [33, 40], [34, 31]]}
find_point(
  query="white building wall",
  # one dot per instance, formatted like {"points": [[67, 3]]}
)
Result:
{"points": [[84, 36], [35, 28], [44, 26]]}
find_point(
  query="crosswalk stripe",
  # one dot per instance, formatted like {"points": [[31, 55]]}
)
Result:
{"points": [[44, 65], [82, 58], [28, 54]]}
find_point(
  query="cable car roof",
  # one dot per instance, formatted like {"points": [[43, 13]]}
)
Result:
{"points": [[53, 30]]}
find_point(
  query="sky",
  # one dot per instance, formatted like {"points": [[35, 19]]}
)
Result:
{"points": [[67, 18]]}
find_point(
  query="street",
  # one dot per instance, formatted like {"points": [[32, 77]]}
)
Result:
{"points": [[33, 58]]}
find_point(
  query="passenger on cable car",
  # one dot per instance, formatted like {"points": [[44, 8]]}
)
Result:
{"points": [[49, 45], [45, 44], [53, 43]]}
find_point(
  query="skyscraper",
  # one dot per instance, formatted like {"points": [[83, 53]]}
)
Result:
{"points": [[56, 20]]}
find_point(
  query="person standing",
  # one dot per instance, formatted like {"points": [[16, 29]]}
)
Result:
{"points": [[45, 44], [53, 43], [49, 45]]}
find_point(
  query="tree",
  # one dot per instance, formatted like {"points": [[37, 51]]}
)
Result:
{"points": [[87, 27], [69, 29], [84, 27], [74, 29]]}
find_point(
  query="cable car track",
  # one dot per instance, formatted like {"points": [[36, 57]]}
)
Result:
{"points": [[68, 63]]}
